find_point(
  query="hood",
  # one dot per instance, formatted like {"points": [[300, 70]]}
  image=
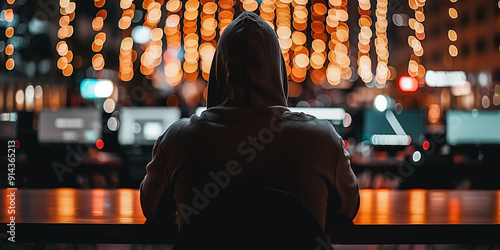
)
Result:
{"points": [[248, 69]]}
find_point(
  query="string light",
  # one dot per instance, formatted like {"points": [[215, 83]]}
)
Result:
{"points": [[453, 12], [9, 32], [173, 69], [453, 50], [299, 57], [382, 72], [318, 45], [226, 14], [283, 30], [324, 54], [249, 5], [452, 34], [152, 56], [172, 64], [415, 68], [191, 38], [364, 38], [336, 26], [98, 61], [267, 9], [208, 33], [67, 10], [127, 55]]}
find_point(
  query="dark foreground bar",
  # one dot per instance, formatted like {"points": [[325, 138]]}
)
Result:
{"points": [[357, 234]]}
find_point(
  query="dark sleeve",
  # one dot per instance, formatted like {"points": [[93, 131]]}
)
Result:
{"points": [[343, 203], [155, 182]]}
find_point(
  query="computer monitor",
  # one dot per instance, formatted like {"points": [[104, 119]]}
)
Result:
{"points": [[472, 127], [8, 126], [141, 126], [389, 128], [69, 126]]}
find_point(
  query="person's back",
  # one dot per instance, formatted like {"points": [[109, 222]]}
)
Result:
{"points": [[247, 136]]}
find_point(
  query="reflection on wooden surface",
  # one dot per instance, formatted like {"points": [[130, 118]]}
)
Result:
{"points": [[67, 205], [378, 206], [419, 206], [497, 221]]}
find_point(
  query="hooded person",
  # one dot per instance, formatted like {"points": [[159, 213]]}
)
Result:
{"points": [[248, 137]]}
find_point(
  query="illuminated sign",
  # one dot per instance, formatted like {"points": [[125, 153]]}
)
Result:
{"points": [[96, 88], [69, 126], [445, 78], [143, 125], [462, 127]]}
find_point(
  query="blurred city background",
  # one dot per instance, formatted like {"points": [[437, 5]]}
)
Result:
{"points": [[412, 86]]}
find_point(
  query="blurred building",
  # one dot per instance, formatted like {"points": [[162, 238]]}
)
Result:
{"points": [[465, 36], [473, 27]]}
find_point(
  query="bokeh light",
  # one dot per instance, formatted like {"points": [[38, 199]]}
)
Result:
{"points": [[67, 10]]}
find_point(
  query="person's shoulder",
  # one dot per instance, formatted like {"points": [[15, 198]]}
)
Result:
{"points": [[310, 124], [186, 126], [178, 125], [308, 121], [173, 131]]}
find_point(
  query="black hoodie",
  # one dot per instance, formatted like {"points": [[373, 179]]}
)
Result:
{"points": [[248, 136]]}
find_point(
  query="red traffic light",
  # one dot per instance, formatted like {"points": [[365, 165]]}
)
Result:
{"points": [[408, 84], [99, 143]]}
